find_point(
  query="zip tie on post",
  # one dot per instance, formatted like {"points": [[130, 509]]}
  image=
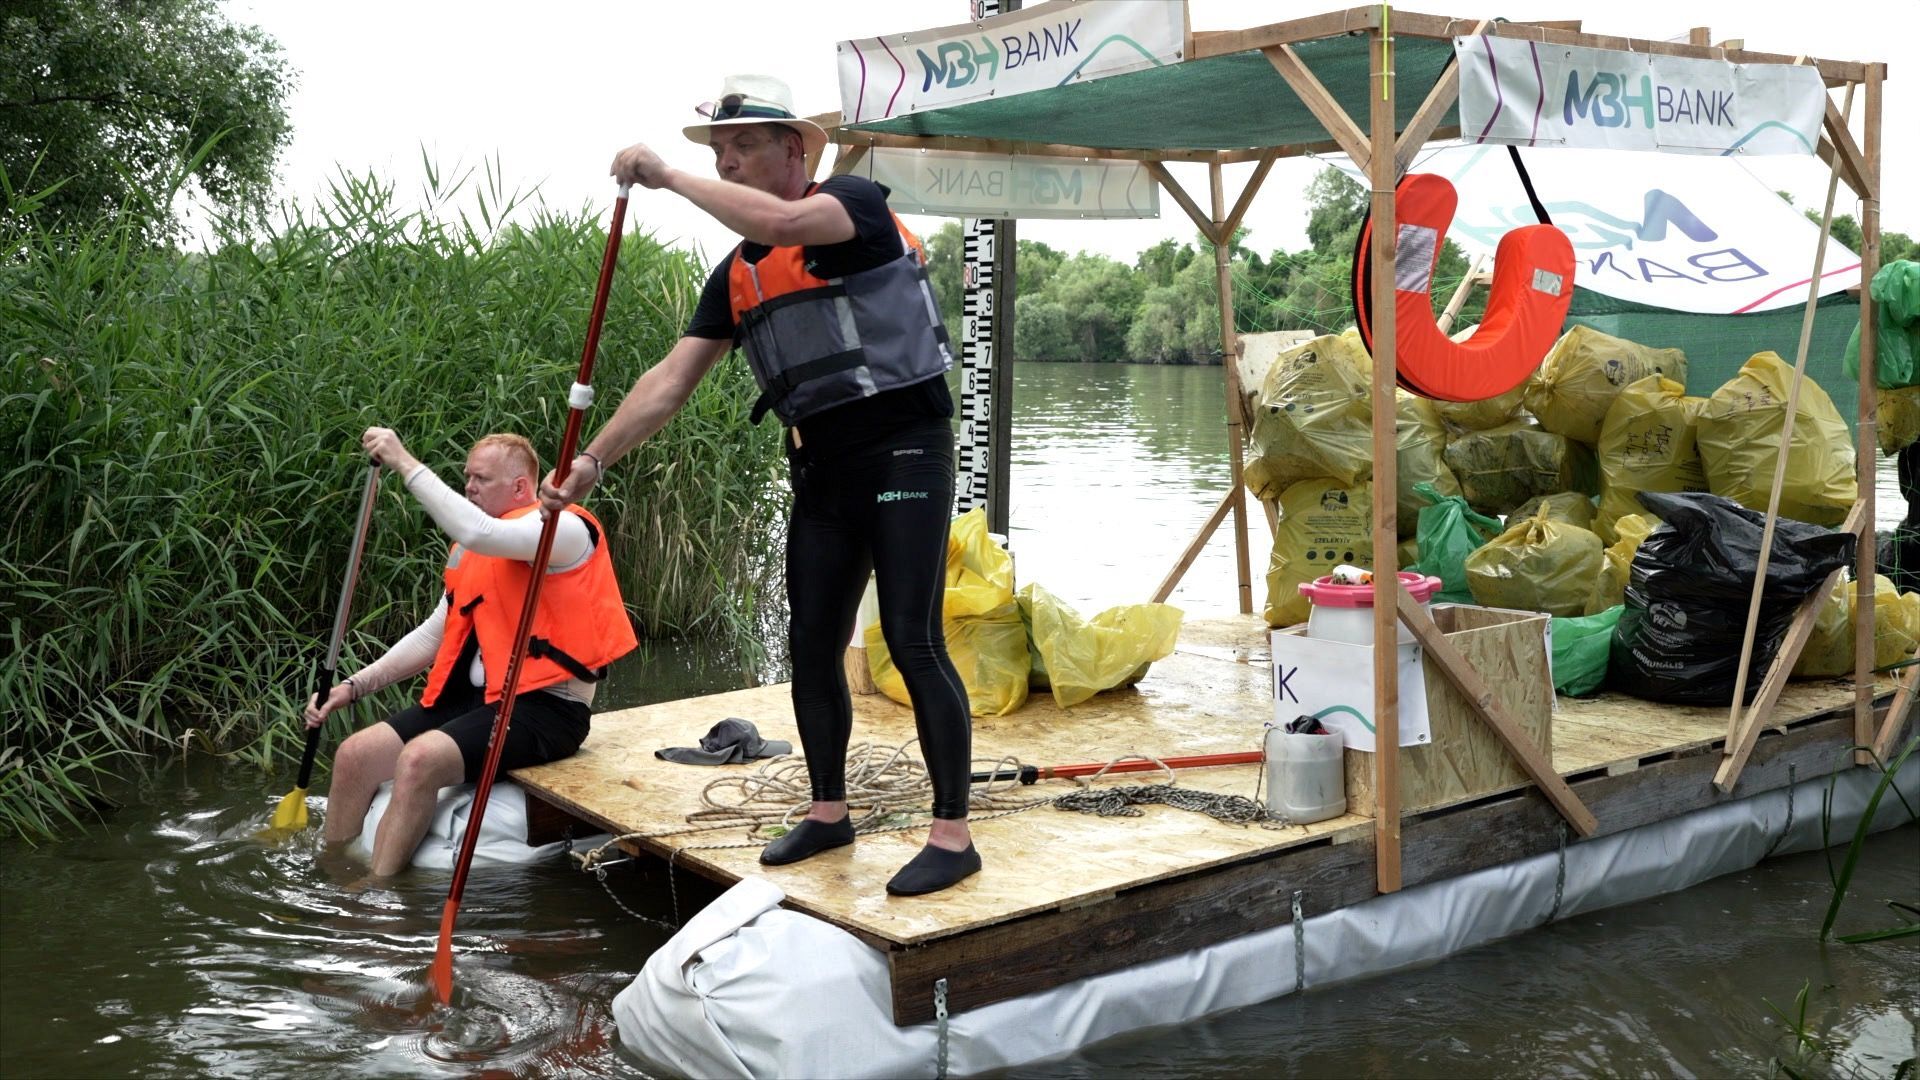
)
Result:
{"points": [[1560, 876], [1386, 50], [940, 1017], [580, 397], [1792, 780], [1299, 944]]}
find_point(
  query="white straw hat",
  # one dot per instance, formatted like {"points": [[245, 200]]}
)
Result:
{"points": [[756, 99]]}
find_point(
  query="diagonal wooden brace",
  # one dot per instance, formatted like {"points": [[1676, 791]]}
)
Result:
{"points": [[1481, 697]]}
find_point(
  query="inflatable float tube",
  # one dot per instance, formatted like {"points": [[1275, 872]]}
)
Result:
{"points": [[503, 832]]}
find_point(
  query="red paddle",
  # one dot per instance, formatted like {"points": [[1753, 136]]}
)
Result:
{"points": [[1030, 773], [440, 974]]}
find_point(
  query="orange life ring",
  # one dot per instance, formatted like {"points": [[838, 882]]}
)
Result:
{"points": [[1526, 304]]}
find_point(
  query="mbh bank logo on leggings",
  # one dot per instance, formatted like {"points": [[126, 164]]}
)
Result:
{"points": [[901, 496]]}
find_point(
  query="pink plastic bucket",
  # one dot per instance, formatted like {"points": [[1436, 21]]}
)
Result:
{"points": [[1345, 612]]}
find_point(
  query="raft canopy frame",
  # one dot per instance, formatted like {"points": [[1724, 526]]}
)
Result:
{"points": [[1338, 82]]}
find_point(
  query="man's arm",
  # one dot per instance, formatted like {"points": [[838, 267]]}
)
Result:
{"points": [[408, 657], [754, 214], [655, 397]]}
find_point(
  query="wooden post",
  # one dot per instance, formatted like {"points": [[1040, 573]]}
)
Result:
{"points": [[1897, 712], [1236, 415], [1194, 546], [1868, 447], [1386, 579]]}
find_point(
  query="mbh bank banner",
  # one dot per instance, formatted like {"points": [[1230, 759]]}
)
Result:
{"points": [[1031, 49], [1527, 93], [959, 184]]}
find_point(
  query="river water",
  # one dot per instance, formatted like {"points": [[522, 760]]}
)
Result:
{"points": [[167, 941]]}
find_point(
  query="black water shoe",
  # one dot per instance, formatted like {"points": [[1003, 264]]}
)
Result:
{"points": [[807, 839], [934, 869]]}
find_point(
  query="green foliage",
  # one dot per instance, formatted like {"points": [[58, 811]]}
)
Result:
{"points": [[109, 97], [180, 444], [1893, 245]]}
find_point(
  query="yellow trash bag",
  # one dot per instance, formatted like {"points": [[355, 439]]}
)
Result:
{"points": [[1569, 507], [1408, 553], [1610, 586], [1314, 419], [1503, 467], [1582, 374], [1899, 412], [1323, 523], [1648, 444], [1740, 439], [1421, 458], [1080, 657], [1896, 631], [985, 638], [1538, 564]]}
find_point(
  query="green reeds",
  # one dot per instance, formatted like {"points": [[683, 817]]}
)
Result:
{"points": [[179, 441]]}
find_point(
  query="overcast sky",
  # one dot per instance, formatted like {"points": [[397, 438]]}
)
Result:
{"points": [[554, 89]]}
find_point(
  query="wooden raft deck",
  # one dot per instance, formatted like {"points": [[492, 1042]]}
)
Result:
{"points": [[1067, 895]]}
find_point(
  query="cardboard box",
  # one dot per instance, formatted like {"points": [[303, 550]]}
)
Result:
{"points": [[1460, 758]]}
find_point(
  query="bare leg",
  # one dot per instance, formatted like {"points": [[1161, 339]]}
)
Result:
{"points": [[949, 833], [428, 764], [363, 762], [828, 812]]}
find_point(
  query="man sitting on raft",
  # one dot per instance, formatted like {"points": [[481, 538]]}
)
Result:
{"points": [[464, 646]]}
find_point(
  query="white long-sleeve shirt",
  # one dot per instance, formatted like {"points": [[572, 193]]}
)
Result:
{"points": [[473, 529]]}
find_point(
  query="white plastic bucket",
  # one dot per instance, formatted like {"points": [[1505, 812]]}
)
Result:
{"points": [[1306, 775]]}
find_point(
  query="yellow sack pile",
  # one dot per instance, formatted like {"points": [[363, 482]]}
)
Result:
{"points": [[1077, 657], [1740, 439], [1585, 371], [1648, 443], [1538, 564], [1899, 412], [1567, 507], [985, 637], [1323, 523], [1896, 631], [1314, 419], [1421, 458], [1502, 467], [1610, 585]]}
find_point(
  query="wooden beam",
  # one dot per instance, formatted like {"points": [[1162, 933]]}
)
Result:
{"points": [[974, 144], [1853, 161], [1236, 410], [1245, 201], [1194, 547], [1331, 24], [1465, 289], [1414, 24], [1321, 104], [1421, 127], [1747, 724], [1387, 592], [849, 157], [1897, 712], [1481, 697], [1200, 219]]}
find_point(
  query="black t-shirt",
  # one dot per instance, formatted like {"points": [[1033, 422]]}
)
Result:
{"points": [[875, 242]]}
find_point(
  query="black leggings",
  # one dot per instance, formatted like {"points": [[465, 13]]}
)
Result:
{"points": [[882, 510]]}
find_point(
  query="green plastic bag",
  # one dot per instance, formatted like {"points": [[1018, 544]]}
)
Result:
{"points": [[1896, 296], [1450, 530], [1580, 648]]}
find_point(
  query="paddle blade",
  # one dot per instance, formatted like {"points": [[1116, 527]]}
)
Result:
{"points": [[440, 974], [291, 814]]}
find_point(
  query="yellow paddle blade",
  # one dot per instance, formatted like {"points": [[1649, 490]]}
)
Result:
{"points": [[291, 814]]}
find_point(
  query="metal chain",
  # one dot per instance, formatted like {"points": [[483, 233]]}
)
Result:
{"points": [[1560, 875], [1126, 801], [1299, 943], [600, 875], [1792, 780]]}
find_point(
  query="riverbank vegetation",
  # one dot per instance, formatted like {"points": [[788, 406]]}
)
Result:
{"points": [[180, 433]]}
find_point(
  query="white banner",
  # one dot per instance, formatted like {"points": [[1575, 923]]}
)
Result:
{"points": [[1332, 682], [1034, 48], [1684, 233], [1531, 94], [959, 184]]}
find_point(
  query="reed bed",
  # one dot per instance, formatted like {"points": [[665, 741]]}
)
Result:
{"points": [[179, 460]]}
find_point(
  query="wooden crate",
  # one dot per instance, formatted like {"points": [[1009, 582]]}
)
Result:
{"points": [[1465, 759]]}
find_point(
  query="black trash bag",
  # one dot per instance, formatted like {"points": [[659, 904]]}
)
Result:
{"points": [[1686, 605]]}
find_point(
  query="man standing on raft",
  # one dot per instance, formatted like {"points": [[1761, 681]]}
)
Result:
{"points": [[579, 627], [828, 296]]}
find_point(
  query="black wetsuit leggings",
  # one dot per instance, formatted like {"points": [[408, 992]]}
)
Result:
{"points": [[885, 511]]}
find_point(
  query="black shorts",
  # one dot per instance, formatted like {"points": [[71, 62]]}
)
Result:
{"points": [[546, 727]]}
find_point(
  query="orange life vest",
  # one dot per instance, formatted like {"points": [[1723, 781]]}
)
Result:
{"points": [[581, 625], [814, 343]]}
